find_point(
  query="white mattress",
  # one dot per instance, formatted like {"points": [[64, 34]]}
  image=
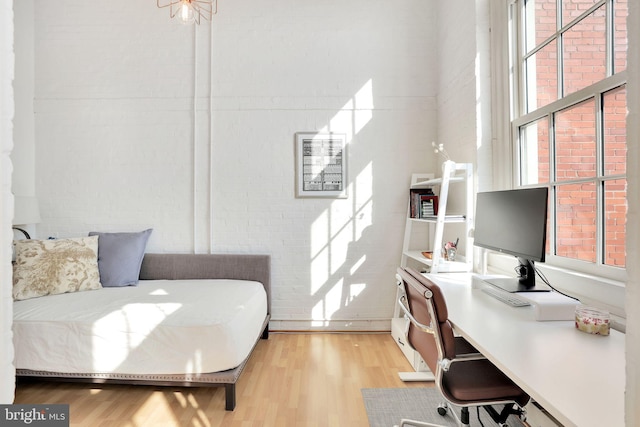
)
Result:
{"points": [[157, 327]]}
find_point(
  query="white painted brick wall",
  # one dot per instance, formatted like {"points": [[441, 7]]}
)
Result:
{"points": [[7, 370], [457, 79], [457, 104], [117, 149]]}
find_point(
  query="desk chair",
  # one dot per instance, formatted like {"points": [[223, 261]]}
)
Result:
{"points": [[464, 378]]}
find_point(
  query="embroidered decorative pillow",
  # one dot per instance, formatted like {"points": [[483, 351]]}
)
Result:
{"points": [[120, 256], [49, 267]]}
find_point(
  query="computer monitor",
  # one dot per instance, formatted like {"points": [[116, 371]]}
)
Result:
{"points": [[514, 222]]}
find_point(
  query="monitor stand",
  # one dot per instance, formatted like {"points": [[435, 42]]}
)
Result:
{"points": [[525, 282], [514, 284]]}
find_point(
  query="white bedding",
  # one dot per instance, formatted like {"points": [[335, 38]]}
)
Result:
{"points": [[157, 327]]}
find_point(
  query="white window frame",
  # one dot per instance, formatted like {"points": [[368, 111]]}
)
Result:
{"points": [[594, 284], [592, 92]]}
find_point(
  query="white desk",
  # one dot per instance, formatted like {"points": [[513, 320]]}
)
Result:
{"points": [[577, 377]]}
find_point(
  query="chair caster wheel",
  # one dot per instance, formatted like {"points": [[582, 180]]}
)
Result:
{"points": [[442, 409]]}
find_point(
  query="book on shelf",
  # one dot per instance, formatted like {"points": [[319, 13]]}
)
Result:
{"points": [[423, 203], [428, 205], [449, 217]]}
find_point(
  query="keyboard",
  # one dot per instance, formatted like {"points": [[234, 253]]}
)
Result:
{"points": [[506, 297]]}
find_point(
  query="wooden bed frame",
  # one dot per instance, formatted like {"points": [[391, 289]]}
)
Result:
{"points": [[185, 267]]}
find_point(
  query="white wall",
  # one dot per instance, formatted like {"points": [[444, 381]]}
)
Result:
{"points": [[464, 98], [7, 370], [463, 81], [23, 152], [118, 146], [458, 79], [633, 223]]}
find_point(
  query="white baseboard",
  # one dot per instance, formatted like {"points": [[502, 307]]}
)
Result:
{"points": [[356, 325]]}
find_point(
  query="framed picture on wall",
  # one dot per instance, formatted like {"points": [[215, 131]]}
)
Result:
{"points": [[321, 164]]}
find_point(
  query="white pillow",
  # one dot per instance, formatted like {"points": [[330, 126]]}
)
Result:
{"points": [[48, 267]]}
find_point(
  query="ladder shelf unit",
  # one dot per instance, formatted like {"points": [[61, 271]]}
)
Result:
{"points": [[455, 177]]}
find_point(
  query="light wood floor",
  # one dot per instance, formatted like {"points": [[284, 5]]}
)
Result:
{"points": [[302, 380]]}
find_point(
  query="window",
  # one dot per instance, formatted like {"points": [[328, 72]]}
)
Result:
{"points": [[568, 125]]}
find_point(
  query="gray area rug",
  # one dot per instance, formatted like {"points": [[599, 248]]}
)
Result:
{"points": [[387, 406]]}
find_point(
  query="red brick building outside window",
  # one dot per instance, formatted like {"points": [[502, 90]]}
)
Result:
{"points": [[572, 127]]}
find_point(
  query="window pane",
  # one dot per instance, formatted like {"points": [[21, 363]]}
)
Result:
{"points": [[575, 135], [571, 49], [576, 221], [534, 152], [615, 206], [571, 9], [542, 77], [615, 131], [540, 19], [585, 52], [620, 35]]}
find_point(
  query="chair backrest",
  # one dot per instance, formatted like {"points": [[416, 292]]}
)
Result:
{"points": [[431, 335], [426, 301]]}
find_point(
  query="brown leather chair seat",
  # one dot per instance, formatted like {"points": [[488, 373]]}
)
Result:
{"points": [[480, 380]]}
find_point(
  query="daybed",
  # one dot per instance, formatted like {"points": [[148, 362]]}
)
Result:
{"points": [[193, 320]]}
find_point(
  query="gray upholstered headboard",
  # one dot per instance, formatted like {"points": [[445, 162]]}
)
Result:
{"points": [[209, 266]]}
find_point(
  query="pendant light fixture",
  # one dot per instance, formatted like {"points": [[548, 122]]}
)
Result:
{"points": [[190, 11]]}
